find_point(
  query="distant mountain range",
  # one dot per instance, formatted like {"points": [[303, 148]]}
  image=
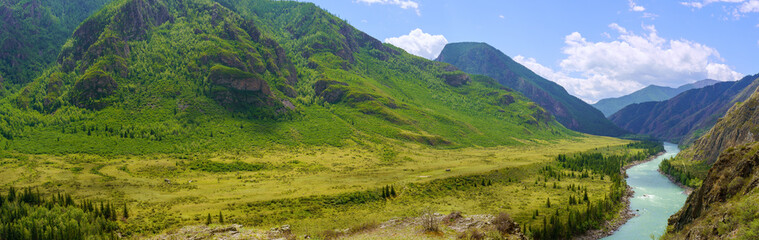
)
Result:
{"points": [[688, 115], [575, 114], [652, 93]]}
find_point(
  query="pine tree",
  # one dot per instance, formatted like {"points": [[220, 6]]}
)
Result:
{"points": [[208, 220], [126, 211], [221, 218], [392, 191], [548, 202]]}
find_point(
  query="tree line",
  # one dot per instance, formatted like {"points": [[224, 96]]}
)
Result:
{"points": [[27, 214]]}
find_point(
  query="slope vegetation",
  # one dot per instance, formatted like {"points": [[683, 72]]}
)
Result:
{"points": [[652, 93], [32, 33], [688, 115], [147, 76], [481, 58], [725, 204]]}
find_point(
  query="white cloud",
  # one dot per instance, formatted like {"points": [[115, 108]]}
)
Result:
{"points": [[501, 16], [750, 6], [596, 70], [405, 4], [635, 7], [707, 2], [419, 43]]}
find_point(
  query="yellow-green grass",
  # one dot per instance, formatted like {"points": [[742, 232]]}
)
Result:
{"points": [[300, 173]]}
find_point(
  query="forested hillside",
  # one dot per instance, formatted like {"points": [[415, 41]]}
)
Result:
{"points": [[481, 58], [147, 76], [33, 31]]}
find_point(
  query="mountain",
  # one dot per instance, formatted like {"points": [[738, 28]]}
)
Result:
{"points": [[179, 76], [575, 114], [725, 204], [652, 93], [687, 115], [33, 31]]}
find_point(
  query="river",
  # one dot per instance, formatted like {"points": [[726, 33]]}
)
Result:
{"points": [[655, 199]]}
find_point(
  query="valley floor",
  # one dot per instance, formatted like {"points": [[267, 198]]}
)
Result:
{"points": [[316, 190]]}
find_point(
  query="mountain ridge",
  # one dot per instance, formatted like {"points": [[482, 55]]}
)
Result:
{"points": [[686, 116], [651, 93], [575, 114], [144, 76]]}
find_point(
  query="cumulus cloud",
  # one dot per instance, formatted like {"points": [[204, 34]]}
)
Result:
{"points": [[419, 43], [596, 70], [405, 4], [707, 2], [635, 7]]}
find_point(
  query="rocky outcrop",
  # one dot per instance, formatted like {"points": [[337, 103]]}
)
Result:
{"points": [[739, 126], [92, 88], [331, 91], [238, 90], [457, 78], [733, 176]]}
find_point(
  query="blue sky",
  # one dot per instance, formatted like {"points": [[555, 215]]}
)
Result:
{"points": [[595, 49]]}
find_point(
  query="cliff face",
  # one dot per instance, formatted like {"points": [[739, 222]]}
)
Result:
{"points": [[725, 205]]}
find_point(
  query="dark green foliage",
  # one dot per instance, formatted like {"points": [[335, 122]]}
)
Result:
{"points": [[573, 113], [221, 218], [208, 220], [683, 177], [195, 76], [29, 215], [32, 33], [218, 167]]}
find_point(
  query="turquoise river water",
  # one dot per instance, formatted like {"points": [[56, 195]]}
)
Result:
{"points": [[656, 198]]}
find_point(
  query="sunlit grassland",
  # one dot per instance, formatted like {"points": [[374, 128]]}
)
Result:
{"points": [[163, 191]]}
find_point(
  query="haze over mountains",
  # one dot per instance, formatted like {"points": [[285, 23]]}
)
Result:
{"points": [[575, 114], [652, 93]]}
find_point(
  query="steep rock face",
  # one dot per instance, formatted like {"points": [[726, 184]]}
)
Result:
{"points": [[573, 113], [92, 88], [722, 207], [691, 111], [739, 126], [651, 93], [456, 78], [236, 89]]}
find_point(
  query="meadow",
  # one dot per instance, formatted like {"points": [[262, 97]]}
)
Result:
{"points": [[315, 189]]}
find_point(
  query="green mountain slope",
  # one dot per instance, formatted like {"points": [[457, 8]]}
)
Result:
{"points": [[33, 31], [481, 58], [652, 93], [725, 204], [688, 115], [169, 76]]}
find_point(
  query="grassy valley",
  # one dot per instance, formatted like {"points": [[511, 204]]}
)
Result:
{"points": [[202, 115]]}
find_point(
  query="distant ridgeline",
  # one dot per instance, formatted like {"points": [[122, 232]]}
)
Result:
{"points": [[652, 93], [688, 115], [152, 76], [575, 114]]}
